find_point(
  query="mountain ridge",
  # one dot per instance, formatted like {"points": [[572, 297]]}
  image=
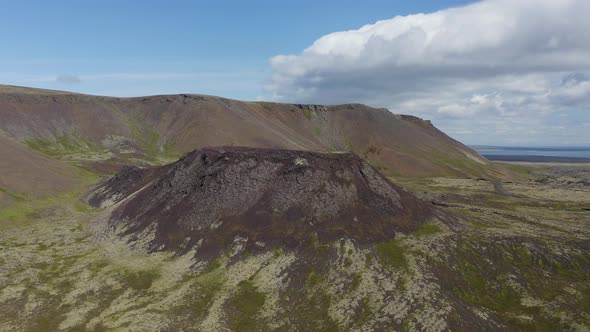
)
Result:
{"points": [[104, 133]]}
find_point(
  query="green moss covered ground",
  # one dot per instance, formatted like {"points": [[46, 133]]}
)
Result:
{"points": [[486, 262]]}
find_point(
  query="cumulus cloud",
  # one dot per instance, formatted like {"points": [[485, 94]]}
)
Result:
{"points": [[501, 64]]}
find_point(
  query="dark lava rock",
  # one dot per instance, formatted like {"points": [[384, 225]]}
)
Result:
{"points": [[279, 197]]}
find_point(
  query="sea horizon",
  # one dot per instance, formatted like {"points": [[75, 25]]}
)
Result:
{"points": [[535, 153]]}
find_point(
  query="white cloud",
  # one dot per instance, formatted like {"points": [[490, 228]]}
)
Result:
{"points": [[500, 64], [133, 76], [68, 79]]}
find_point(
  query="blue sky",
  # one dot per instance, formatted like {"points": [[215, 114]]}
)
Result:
{"points": [[212, 47], [486, 72]]}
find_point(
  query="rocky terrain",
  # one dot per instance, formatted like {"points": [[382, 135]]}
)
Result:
{"points": [[482, 260], [214, 197], [332, 218]]}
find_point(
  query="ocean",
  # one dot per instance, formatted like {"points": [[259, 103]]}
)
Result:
{"points": [[535, 154]]}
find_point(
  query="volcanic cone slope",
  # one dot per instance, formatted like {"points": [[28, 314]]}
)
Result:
{"points": [[215, 196]]}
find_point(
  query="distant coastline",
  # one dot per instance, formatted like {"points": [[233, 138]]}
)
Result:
{"points": [[537, 159], [535, 154]]}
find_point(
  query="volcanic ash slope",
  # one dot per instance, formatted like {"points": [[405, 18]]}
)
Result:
{"points": [[261, 198]]}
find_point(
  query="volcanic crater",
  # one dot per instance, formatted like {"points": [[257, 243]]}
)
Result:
{"points": [[213, 197]]}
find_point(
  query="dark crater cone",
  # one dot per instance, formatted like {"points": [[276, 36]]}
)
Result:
{"points": [[213, 197]]}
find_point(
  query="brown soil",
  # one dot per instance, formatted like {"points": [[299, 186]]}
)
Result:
{"points": [[24, 171]]}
